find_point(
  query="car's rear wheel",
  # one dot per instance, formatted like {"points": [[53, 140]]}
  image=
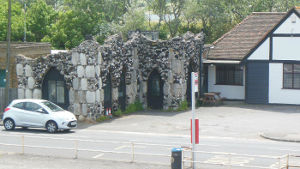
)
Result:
{"points": [[51, 127], [9, 124]]}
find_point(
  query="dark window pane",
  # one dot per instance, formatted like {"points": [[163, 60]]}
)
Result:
{"points": [[297, 81], [32, 106], [287, 68], [60, 92], [229, 75], [52, 90], [287, 80], [296, 68], [19, 105]]}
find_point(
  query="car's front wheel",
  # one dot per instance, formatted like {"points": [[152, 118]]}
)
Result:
{"points": [[51, 127], [9, 124]]}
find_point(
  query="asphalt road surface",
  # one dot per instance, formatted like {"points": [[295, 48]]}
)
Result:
{"points": [[148, 147], [228, 135]]}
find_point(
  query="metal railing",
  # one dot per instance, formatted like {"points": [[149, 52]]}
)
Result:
{"points": [[76, 149], [283, 162], [288, 161]]}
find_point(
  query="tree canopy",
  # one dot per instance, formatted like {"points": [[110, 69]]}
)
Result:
{"points": [[65, 23]]}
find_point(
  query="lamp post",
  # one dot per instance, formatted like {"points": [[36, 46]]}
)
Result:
{"points": [[7, 78]]}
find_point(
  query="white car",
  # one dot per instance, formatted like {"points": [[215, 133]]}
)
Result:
{"points": [[37, 113]]}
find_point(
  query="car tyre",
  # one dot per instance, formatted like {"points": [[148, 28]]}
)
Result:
{"points": [[9, 124], [51, 127]]}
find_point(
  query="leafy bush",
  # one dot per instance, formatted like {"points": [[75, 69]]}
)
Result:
{"points": [[183, 106], [117, 113], [136, 106], [102, 118]]}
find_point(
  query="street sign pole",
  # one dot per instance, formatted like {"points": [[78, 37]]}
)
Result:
{"points": [[7, 73], [193, 119]]}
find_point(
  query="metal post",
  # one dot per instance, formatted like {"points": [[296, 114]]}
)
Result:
{"points": [[7, 78], [229, 160], [132, 145], [279, 163], [25, 21], [193, 121], [23, 145], [182, 167], [287, 161], [76, 149]]}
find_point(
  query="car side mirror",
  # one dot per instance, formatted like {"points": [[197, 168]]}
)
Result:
{"points": [[41, 110]]}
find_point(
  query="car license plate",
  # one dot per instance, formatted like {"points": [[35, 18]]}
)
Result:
{"points": [[73, 123]]}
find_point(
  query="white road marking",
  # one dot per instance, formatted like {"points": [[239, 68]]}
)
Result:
{"points": [[129, 146], [121, 147], [225, 160], [99, 155]]}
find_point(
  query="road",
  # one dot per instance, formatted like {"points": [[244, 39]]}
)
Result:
{"points": [[148, 147], [150, 136]]}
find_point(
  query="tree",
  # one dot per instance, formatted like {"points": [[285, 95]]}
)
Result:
{"points": [[17, 21], [133, 19], [40, 16]]}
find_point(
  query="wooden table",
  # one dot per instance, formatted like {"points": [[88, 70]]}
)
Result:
{"points": [[212, 98]]}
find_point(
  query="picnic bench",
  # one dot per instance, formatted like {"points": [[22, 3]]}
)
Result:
{"points": [[212, 98]]}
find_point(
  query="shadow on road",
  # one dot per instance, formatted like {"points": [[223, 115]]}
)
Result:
{"points": [[269, 107], [36, 131]]}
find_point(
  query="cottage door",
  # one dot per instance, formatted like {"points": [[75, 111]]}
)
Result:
{"points": [[155, 91], [54, 88], [122, 92]]}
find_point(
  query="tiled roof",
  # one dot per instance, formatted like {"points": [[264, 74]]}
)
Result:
{"points": [[239, 41], [297, 9]]}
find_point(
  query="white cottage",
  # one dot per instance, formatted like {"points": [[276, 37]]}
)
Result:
{"points": [[258, 60]]}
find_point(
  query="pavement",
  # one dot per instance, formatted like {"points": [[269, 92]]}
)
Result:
{"points": [[8, 161], [233, 119]]}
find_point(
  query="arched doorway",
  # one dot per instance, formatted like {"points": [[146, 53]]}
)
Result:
{"points": [[54, 88], [155, 91], [107, 93], [122, 90]]}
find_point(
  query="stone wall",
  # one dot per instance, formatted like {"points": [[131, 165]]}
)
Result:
{"points": [[86, 67]]}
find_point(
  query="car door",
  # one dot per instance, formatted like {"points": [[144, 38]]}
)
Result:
{"points": [[18, 113], [33, 117]]}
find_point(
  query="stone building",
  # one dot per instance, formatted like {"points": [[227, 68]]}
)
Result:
{"points": [[93, 77], [31, 50]]}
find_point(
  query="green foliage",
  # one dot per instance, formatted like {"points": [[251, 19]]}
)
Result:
{"points": [[65, 23], [183, 106], [40, 17], [136, 106], [133, 19], [102, 118], [17, 20], [117, 113]]}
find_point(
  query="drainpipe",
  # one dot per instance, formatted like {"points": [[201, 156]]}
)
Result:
{"points": [[200, 68]]}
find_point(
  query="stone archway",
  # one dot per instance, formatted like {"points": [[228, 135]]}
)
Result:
{"points": [[108, 92], [155, 92], [54, 88], [122, 90]]}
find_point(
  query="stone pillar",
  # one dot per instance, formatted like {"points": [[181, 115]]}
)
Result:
{"points": [[178, 82], [131, 89]]}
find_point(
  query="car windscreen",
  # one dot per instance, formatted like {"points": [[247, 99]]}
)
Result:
{"points": [[52, 106]]}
